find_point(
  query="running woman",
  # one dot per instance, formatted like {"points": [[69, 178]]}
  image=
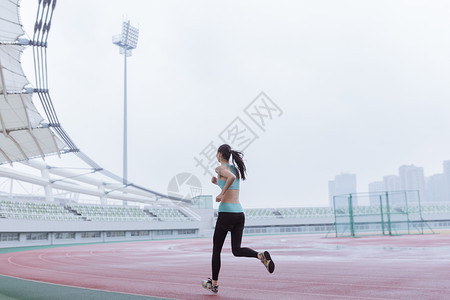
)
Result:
{"points": [[231, 216]]}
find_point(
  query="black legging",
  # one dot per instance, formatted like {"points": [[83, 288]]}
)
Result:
{"points": [[233, 222]]}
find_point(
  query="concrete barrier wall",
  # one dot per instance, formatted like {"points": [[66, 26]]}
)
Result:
{"points": [[21, 233]]}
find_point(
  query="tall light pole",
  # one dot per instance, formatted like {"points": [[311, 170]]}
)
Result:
{"points": [[126, 41]]}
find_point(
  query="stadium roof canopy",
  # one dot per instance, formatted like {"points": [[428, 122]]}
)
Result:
{"points": [[24, 132]]}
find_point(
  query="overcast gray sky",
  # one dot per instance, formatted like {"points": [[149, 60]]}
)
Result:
{"points": [[364, 87]]}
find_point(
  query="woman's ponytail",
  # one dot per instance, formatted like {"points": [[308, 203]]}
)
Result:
{"points": [[238, 160]]}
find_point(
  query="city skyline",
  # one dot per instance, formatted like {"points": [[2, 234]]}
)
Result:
{"points": [[432, 188]]}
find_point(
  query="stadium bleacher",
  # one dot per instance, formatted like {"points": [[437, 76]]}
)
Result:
{"points": [[80, 212], [34, 210], [167, 214], [284, 213], [260, 213], [108, 213]]}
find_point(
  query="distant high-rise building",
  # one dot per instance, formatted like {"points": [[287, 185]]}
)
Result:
{"points": [[331, 192], [412, 178], [344, 183], [436, 188], [391, 183], [374, 189]]}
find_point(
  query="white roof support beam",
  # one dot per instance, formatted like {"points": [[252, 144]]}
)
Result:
{"points": [[2, 78], [25, 157], [116, 187], [30, 131], [70, 187], [6, 156]]}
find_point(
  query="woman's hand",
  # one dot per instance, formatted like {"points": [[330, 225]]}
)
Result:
{"points": [[214, 180], [219, 198]]}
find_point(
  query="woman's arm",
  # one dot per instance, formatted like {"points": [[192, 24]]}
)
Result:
{"points": [[229, 176]]}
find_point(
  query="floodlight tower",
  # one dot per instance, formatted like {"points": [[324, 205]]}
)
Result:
{"points": [[126, 41]]}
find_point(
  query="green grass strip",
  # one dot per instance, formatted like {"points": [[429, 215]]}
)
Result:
{"points": [[15, 288]]}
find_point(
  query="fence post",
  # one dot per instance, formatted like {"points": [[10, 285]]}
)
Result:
{"points": [[407, 210], [335, 218], [350, 210], [382, 217], [388, 214]]}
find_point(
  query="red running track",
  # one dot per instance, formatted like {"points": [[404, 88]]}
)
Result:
{"points": [[307, 267]]}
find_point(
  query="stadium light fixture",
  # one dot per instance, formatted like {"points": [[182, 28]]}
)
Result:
{"points": [[127, 41]]}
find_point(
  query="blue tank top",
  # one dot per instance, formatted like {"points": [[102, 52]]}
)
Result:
{"points": [[235, 184]]}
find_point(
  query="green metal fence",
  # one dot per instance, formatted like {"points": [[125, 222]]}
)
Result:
{"points": [[389, 213]]}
